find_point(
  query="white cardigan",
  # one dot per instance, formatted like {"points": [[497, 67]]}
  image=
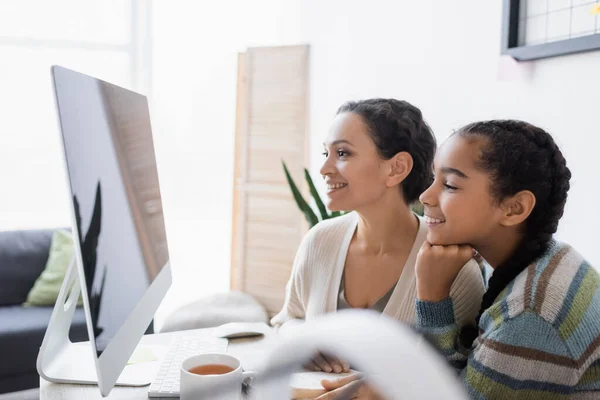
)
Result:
{"points": [[314, 285]]}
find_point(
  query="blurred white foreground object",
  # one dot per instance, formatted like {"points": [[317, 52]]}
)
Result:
{"points": [[307, 385], [385, 351]]}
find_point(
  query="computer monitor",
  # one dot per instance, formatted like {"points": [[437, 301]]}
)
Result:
{"points": [[121, 257]]}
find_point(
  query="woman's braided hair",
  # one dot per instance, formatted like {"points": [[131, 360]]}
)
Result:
{"points": [[520, 156]]}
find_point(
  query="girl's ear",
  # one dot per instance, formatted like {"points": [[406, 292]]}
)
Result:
{"points": [[517, 208], [400, 166]]}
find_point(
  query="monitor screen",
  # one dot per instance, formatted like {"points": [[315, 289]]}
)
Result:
{"points": [[116, 196]]}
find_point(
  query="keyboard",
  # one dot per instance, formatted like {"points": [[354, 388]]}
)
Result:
{"points": [[166, 382]]}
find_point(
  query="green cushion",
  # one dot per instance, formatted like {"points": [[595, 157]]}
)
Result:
{"points": [[47, 286]]}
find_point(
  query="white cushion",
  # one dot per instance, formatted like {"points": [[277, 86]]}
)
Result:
{"points": [[216, 310]]}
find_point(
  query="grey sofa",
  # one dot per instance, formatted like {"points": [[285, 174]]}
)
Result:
{"points": [[23, 256]]}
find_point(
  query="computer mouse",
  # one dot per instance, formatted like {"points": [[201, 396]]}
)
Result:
{"points": [[237, 330]]}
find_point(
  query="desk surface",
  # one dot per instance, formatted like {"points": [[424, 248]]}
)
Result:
{"points": [[249, 351]]}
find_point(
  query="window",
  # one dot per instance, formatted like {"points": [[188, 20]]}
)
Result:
{"points": [[107, 39]]}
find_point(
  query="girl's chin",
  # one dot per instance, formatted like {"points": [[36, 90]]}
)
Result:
{"points": [[436, 240]]}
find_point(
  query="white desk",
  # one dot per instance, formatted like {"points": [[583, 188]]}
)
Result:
{"points": [[249, 351]]}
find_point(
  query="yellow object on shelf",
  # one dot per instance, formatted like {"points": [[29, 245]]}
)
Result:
{"points": [[596, 9]]}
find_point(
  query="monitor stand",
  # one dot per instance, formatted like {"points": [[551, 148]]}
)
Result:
{"points": [[63, 361]]}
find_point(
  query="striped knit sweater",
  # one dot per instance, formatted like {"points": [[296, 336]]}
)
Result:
{"points": [[539, 340]]}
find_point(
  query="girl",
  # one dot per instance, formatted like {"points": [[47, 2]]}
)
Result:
{"points": [[500, 189], [378, 157]]}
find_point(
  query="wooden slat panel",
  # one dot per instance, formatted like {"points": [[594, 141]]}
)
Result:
{"points": [[237, 243], [267, 274], [272, 118], [267, 232], [268, 173], [263, 140], [263, 251], [281, 211], [271, 254], [267, 189]]}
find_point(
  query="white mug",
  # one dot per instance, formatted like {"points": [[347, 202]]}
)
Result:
{"points": [[226, 386]]}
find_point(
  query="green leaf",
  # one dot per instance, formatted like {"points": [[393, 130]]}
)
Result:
{"points": [[336, 214], [302, 204], [315, 195], [417, 208]]}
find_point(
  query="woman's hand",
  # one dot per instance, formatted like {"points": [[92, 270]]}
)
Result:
{"points": [[326, 363], [350, 387], [437, 267]]}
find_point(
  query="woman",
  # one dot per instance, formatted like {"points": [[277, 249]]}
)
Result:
{"points": [[378, 157]]}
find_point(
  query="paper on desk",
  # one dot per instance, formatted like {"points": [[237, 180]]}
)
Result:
{"points": [[142, 355]]}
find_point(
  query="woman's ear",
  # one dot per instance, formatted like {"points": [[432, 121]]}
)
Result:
{"points": [[517, 208], [400, 166]]}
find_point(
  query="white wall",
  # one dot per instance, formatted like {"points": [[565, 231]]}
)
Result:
{"points": [[195, 48], [442, 56]]}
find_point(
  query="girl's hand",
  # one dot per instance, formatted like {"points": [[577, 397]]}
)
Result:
{"points": [[437, 267]]}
